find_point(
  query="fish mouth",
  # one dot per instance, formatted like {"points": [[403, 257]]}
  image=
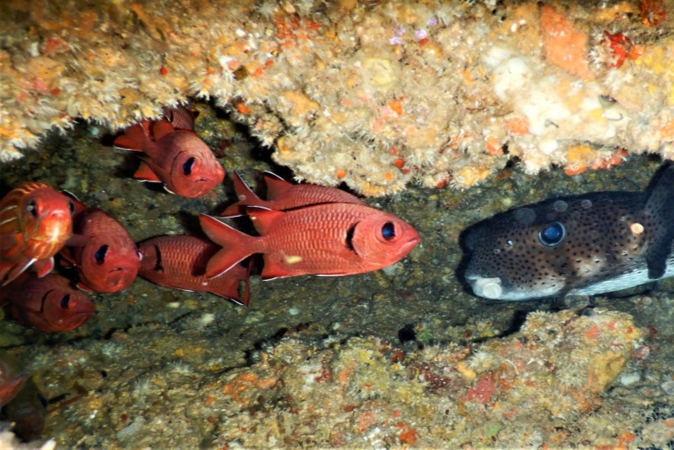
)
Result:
{"points": [[490, 288]]}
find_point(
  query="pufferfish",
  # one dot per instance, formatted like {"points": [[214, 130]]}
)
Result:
{"points": [[581, 245]]}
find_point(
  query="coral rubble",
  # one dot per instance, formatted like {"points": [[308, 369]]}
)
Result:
{"points": [[520, 391], [372, 94]]}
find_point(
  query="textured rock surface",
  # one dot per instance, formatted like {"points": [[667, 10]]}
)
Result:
{"points": [[375, 95]]}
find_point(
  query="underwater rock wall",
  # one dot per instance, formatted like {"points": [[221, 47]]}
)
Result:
{"points": [[374, 94]]}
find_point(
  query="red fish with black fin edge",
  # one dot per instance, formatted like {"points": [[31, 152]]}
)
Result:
{"points": [[48, 303], [12, 379], [282, 195], [329, 239], [180, 262], [35, 223], [175, 157], [106, 258]]}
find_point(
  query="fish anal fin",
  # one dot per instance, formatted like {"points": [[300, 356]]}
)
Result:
{"points": [[145, 173], [273, 269]]}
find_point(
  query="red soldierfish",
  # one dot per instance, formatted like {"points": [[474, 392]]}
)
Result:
{"points": [[283, 196], [12, 379], [180, 262], [326, 239], [176, 157], [47, 304], [106, 257], [35, 222]]}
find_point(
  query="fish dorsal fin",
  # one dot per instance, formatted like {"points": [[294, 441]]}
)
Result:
{"points": [[659, 210], [161, 128], [263, 218], [277, 187], [145, 173]]}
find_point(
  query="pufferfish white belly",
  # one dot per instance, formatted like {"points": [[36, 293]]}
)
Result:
{"points": [[581, 245]]}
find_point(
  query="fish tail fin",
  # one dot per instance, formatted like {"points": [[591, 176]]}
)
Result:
{"points": [[245, 195], [135, 138], [236, 246]]}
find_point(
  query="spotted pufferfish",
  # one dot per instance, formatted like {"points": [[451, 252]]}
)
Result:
{"points": [[580, 245]]}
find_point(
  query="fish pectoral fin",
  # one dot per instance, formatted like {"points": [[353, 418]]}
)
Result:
{"points": [[145, 173]]}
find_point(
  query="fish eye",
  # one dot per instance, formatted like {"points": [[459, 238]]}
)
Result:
{"points": [[65, 301], [189, 165], [552, 234], [100, 254], [71, 206], [32, 208], [388, 231]]}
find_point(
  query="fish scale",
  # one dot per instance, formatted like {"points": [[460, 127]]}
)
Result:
{"points": [[611, 241]]}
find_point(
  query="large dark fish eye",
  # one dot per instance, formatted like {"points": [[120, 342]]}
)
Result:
{"points": [[100, 254], [188, 165], [551, 235], [65, 301], [71, 205], [388, 231], [31, 207]]}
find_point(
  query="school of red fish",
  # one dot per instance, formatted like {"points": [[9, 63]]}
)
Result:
{"points": [[303, 230]]}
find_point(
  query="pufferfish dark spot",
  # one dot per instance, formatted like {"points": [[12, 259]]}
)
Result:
{"points": [[579, 245]]}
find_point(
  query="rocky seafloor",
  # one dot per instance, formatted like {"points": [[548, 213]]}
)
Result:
{"points": [[403, 357]]}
